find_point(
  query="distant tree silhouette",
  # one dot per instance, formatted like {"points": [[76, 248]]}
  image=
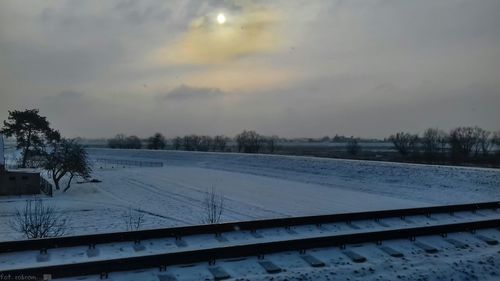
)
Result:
{"points": [[271, 143], [205, 143], [433, 141], [177, 143], [156, 142], [249, 142], [495, 140], [462, 141], [220, 143], [483, 141], [353, 146], [124, 142], [404, 142]]}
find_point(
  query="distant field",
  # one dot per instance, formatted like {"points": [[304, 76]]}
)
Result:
{"points": [[255, 186]]}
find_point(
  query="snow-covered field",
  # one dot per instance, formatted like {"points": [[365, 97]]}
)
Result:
{"points": [[254, 186]]}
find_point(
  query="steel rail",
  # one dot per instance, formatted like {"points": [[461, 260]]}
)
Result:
{"points": [[93, 239], [161, 261]]}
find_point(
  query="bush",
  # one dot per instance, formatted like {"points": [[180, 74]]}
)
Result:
{"points": [[37, 220]]}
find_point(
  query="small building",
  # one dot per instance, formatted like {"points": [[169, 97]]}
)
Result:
{"points": [[19, 181]]}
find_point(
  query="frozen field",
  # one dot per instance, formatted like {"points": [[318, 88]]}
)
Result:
{"points": [[254, 186]]}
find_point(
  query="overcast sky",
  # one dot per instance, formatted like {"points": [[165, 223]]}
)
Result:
{"points": [[291, 68]]}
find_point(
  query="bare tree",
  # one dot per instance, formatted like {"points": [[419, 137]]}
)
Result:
{"points": [[353, 146], [205, 143], [124, 142], [462, 141], [483, 141], [177, 143], [495, 140], [249, 142], [213, 206], [219, 143], [404, 142], [38, 220], [432, 141], [133, 219], [272, 143], [191, 143], [157, 141]]}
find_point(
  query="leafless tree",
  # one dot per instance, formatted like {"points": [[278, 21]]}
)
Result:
{"points": [[191, 142], [213, 206], [272, 143], [157, 141], [433, 141], [404, 142], [462, 141], [124, 142], [249, 142], [177, 143], [353, 146], [133, 219], [483, 141], [219, 143], [38, 220], [205, 143], [495, 140]]}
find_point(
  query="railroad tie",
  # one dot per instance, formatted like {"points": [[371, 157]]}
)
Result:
{"points": [[456, 243], [407, 220], [355, 257], [139, 247], [312, 261], [180, 243], [391, 251], [219, 273], [353, 226], [219, 237], [381, 223], [43, 256], [269, 266], [488, 240], [92, 252], [167, 277], [289, 230], [427, 248], [255, 234]]}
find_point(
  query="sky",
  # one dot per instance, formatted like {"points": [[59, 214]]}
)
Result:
{"points": [[286, 67]]}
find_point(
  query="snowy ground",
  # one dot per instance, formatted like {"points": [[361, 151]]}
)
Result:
{"points": [[255, 186]]}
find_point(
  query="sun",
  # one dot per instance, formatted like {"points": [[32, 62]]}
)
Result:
{"points": [[221, 18]]}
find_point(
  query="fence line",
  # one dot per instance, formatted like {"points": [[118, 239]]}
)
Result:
{"points": [[127, 162]]}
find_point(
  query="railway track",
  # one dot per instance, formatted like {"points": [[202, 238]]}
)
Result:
{"points": [[209, 243]]}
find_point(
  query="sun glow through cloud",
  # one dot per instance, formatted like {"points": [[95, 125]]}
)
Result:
{"points": [[221, 18], [206, 41]]}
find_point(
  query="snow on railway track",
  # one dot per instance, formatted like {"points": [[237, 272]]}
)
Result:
{"points": [[104, 253]]}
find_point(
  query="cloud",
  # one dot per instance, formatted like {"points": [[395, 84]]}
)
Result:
{"points": [[293, 68], [253, 31], [184, 92], [243, 77], [69, 94]]}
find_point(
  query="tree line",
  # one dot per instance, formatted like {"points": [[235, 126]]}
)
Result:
{"points": [[246, 142], [460, 144]]}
